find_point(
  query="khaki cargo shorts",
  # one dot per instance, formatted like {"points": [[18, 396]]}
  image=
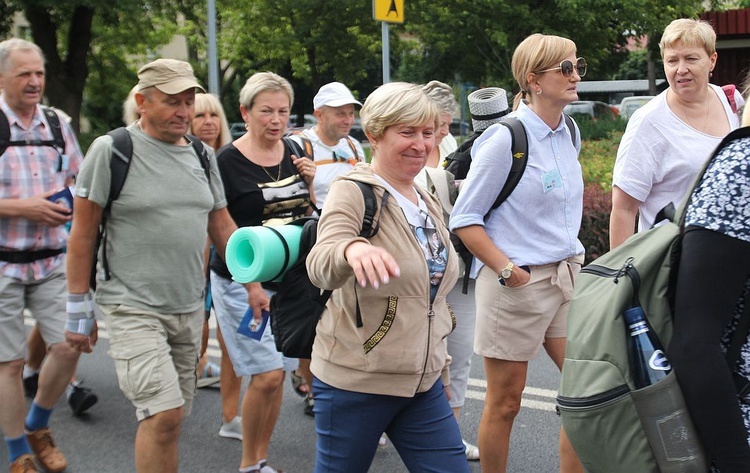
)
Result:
{"points": [[155, 356]]}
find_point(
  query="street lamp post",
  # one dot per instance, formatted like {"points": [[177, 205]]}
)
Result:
{"points": [[213, 60]]}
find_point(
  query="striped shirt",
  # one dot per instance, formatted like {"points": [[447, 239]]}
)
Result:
{"points": [[26, 171]]}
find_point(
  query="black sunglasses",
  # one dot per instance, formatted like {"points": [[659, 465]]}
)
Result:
{"points": [[566, 68]]}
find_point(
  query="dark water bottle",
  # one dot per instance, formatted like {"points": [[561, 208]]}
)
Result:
{"points": [[648, 362], [659, 403]]}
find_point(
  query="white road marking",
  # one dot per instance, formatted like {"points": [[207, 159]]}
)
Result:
{"points": [[476, 387]]}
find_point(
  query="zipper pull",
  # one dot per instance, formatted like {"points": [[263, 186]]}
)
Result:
{"points": [[625, 270]]}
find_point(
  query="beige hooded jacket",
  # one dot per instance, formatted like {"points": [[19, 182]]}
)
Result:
{"points": [[396, 346]]}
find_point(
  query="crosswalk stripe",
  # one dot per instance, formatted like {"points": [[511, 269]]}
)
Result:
{"points": [[213, 350], [527, 403], [481, 383], [476, 387]]}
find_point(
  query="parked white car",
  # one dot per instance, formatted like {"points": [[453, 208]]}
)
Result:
{"points": [[628, 105]]}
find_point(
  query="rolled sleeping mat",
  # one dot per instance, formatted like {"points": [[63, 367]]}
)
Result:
{"points": [[262, 254], [487, 106]]}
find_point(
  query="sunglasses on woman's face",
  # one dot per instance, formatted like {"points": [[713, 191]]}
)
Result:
{"points": [[566, 68]]}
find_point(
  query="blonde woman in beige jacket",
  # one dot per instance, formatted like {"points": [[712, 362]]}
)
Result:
{"points": [[379, 361]]}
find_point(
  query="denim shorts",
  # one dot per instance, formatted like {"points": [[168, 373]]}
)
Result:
{"points": [[249, 356]]}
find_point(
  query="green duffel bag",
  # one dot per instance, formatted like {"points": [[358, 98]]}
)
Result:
{"points": [[595, 400], [597, 396]]}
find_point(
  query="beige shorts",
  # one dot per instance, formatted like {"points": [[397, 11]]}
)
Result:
{"points": [[45, 299], [155, 356], [513, 322]]}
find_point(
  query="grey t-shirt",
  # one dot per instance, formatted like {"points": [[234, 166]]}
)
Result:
{"points": [[156, 231]]}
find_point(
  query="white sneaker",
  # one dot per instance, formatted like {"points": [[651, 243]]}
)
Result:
{"points": [[382, 440], [232, 429], [472, 451]]}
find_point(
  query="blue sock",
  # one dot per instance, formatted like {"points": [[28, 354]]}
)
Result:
{"points": [[17, 447], [37, 418]]}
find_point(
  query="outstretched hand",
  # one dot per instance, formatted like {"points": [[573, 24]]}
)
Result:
{"points": [[371, 264]]}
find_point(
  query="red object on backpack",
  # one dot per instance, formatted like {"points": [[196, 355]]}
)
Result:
{"points": [[729, 91]]}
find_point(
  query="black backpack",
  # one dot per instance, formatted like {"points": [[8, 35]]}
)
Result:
{"points": [[459, 162], [57, 141], [297, 304], [119, 165]]}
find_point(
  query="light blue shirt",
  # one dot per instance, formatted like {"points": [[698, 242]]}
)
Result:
{"points": [[539, 222]]}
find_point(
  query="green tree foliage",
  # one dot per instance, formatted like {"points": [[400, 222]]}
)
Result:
{"points": [[636, 66], [63, 32], [472, 40], [122, 44], [463, 40], [6, 18], [84, 37], [632, 19], [310, 42]]}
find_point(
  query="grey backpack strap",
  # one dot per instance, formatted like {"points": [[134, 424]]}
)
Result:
{"points": [[445, 189]]}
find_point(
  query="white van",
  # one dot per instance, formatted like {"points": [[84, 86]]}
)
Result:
{"points": [[628, 105]]}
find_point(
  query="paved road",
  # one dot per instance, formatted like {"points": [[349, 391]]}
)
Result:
{"points": [[101, 441]]}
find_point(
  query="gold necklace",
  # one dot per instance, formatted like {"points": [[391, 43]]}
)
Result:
{"points": [[278, 173]]}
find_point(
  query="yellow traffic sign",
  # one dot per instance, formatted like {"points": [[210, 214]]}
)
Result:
{"points": [[390, 11]]}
